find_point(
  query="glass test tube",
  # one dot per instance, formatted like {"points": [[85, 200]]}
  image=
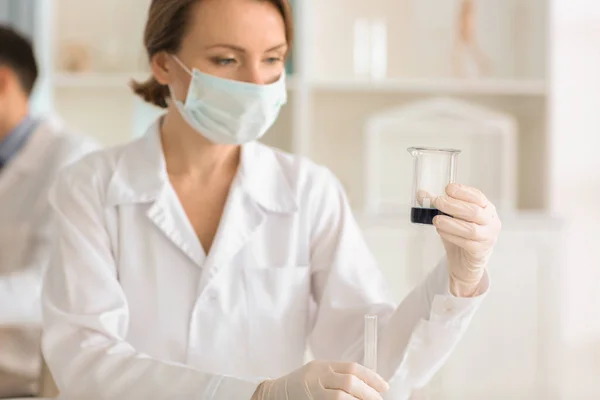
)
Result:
{"points": [[370, 357]]}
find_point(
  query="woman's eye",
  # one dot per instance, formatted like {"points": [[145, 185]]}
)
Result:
{"points": [[274, 60], [224, 61]]}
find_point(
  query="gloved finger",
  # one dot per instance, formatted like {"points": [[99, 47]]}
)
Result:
{"points": [[331, 394], [468, 194], [465, 210], [363, 373], [352, 385], [425, 199], [464, 229], [472, 247]]}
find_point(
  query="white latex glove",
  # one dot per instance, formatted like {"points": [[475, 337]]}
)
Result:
{"points": [[469, 237], [323, 380]]}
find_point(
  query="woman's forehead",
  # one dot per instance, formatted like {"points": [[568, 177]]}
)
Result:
{"points": [[237, 22]]}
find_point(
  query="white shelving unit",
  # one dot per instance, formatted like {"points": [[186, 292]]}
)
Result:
{"points": [[435, 86], [95, 80], [337, 101], [96, 100]]}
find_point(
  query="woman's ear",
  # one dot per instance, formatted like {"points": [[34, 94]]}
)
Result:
{"points": [[4, 78], [162, 66]]}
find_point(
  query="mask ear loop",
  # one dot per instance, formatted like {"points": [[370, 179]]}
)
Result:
{"points": [[172, 97], [186, 69], [182, 65]]}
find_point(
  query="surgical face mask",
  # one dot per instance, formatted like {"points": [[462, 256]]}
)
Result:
{"points": [[230, 112]]}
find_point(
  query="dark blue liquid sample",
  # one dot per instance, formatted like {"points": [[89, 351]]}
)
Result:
{"points": [[424, 215]]}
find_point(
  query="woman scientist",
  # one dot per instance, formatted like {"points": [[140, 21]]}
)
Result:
{"points": [[196, 263]]}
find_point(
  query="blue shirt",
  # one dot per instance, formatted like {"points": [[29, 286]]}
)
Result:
{"points": [[16, 139]]}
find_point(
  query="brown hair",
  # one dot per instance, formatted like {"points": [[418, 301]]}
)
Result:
{"points": [[17, 54], [168, 21]]}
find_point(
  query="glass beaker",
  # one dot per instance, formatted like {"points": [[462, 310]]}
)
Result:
{"points": [[433, 170]]}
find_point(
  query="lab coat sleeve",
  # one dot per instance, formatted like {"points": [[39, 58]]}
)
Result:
{"points": [[86, 314], [415, 338], [21, 289]]}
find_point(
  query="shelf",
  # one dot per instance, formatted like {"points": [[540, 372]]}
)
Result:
{"points": [[112, 80], [416, 38], [500, 87], [96, 80]]}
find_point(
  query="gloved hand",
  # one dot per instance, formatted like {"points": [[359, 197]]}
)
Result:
{"points": [[469, 237], [323, 380]]}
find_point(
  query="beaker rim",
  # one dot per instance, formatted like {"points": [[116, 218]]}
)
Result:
{"points": [[433, 150]]}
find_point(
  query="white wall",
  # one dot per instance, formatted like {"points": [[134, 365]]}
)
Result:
{"points": [[575, 174], [576, 101], [575, 179]]}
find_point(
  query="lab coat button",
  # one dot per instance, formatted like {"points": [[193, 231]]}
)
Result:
{"points": [[212, 295], [448, 307], [401, 374]]}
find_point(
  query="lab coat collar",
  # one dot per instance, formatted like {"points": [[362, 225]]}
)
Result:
{"points": [[17, 138], [142, 175], [140, 171], [263, 178]]}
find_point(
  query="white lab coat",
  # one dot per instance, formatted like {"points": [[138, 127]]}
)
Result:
{"points": [[134, 308], [26, 233]]}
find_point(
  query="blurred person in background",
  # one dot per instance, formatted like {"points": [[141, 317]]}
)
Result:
{"points": [[197, 263], [32, 151]]}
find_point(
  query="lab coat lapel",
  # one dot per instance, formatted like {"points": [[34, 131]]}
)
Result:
{"points": [[142, 178], [260, 189], [241, 218], [170, 218]]}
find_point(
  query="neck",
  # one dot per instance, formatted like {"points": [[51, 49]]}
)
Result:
{"points": [[187, 153], [14, 116]]}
